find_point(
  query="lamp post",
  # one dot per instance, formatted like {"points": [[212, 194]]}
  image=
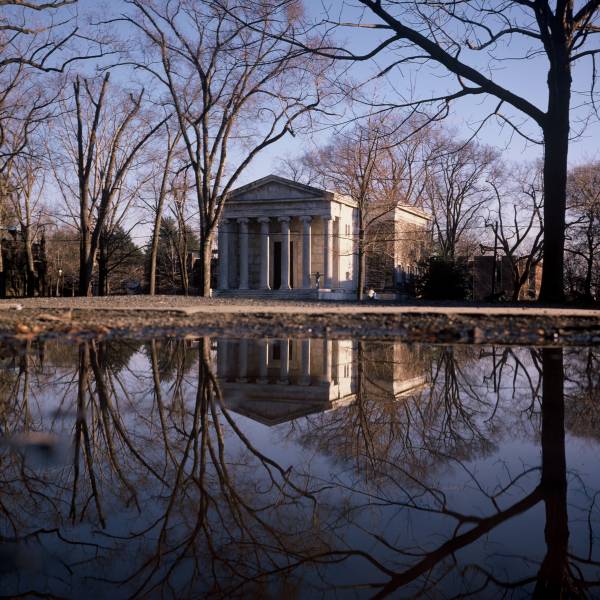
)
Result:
{"points": [[58, 280]]}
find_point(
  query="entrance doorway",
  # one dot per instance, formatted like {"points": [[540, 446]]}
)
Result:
{"points": [[277, 265]]}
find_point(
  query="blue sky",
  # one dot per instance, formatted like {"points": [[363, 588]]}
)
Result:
{"points": [[524, 77]]}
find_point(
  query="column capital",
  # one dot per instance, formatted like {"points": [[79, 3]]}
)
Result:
{"points": [[306, 218], [242, 219], [327, 217], [284, 219], [263, 219]]}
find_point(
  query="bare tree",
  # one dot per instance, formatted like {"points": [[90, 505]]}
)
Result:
{"points": [[457, 188], [29, 211], [235, 90], [376, 163], [452, 35], [583, 230], [520, 235], [100, 148], [161, 181]]}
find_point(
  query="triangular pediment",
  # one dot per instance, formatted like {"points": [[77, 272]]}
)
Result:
{"points": [[273, 187], [273, 413]]}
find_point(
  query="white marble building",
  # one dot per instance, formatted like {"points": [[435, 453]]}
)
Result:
{"points": [[283, 239], [278, 237]]}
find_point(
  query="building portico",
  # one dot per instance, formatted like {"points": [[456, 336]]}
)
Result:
{"points": [[291, 239]]}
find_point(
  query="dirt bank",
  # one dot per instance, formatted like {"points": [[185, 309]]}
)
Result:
{"points": [[143, 316]]}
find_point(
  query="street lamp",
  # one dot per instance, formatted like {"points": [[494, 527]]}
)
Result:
{"points": [[58, 280]]}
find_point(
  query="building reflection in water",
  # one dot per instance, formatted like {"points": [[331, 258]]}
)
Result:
{"points": [[277, 380], [388, 469]]}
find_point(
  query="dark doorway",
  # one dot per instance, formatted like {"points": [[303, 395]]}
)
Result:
{"points": [[276, 265]]}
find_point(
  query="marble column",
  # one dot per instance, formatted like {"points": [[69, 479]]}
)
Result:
{"points": [[285, 253], [243, 361], [263, 362], [264, 253], [327, 253], [284, 361], [305, 375], [224, 254], [243, 223], [306, 252]]}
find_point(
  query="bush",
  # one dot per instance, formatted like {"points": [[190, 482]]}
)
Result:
{"points": [[442, 279]]}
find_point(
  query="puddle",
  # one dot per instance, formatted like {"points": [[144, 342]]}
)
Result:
{"points": [[181, 467]]}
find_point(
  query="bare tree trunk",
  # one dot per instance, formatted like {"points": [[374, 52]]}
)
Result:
{"points": [[553, 576], [183, 269], [86, 265], [205, 265], [31, 276], [589, 263], [103, 266], [360, 290], [162, 194], [154, 248], [556, 140]]}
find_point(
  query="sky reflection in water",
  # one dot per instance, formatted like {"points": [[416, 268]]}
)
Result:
{"points": [[299, 468]]}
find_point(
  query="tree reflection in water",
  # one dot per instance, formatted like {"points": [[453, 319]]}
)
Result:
{"points": [[183, 467]]}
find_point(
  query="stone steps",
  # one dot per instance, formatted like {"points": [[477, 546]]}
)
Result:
{"points": [[300, 294]]}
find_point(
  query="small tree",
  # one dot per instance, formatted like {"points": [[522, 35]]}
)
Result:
{"points": [[457, 189], [441, 278], [119, 258], [520, 236]]}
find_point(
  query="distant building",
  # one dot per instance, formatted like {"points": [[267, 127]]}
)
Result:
{"points": [[491, 283], [397, 241], [283, 239]]}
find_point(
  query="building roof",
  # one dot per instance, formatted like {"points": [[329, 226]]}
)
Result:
{"points": [[305, 191], [258, 183]]}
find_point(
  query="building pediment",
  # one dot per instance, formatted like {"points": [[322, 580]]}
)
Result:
{"points": [[278, 189]]}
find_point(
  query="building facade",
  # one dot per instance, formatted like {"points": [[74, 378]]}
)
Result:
{"points": [[273, 381], [283, 239], [287, 239]]}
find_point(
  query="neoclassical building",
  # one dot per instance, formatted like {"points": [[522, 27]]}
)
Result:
{"points": [[273, 381], [281, 238]]}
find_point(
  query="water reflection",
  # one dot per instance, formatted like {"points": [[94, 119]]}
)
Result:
{"points": [[220, 467]]}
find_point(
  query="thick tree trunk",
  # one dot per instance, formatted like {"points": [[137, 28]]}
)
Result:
{"points": [[554, 572], [154, 248], [361, 276], [556, 144], [85, 261], [205, 265]]}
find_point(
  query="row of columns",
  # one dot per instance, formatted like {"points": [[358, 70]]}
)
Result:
{"points": [[285, 252], [284, 361]]}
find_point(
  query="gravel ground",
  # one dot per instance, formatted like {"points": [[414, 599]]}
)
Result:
{"points": [[144, 316]]}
